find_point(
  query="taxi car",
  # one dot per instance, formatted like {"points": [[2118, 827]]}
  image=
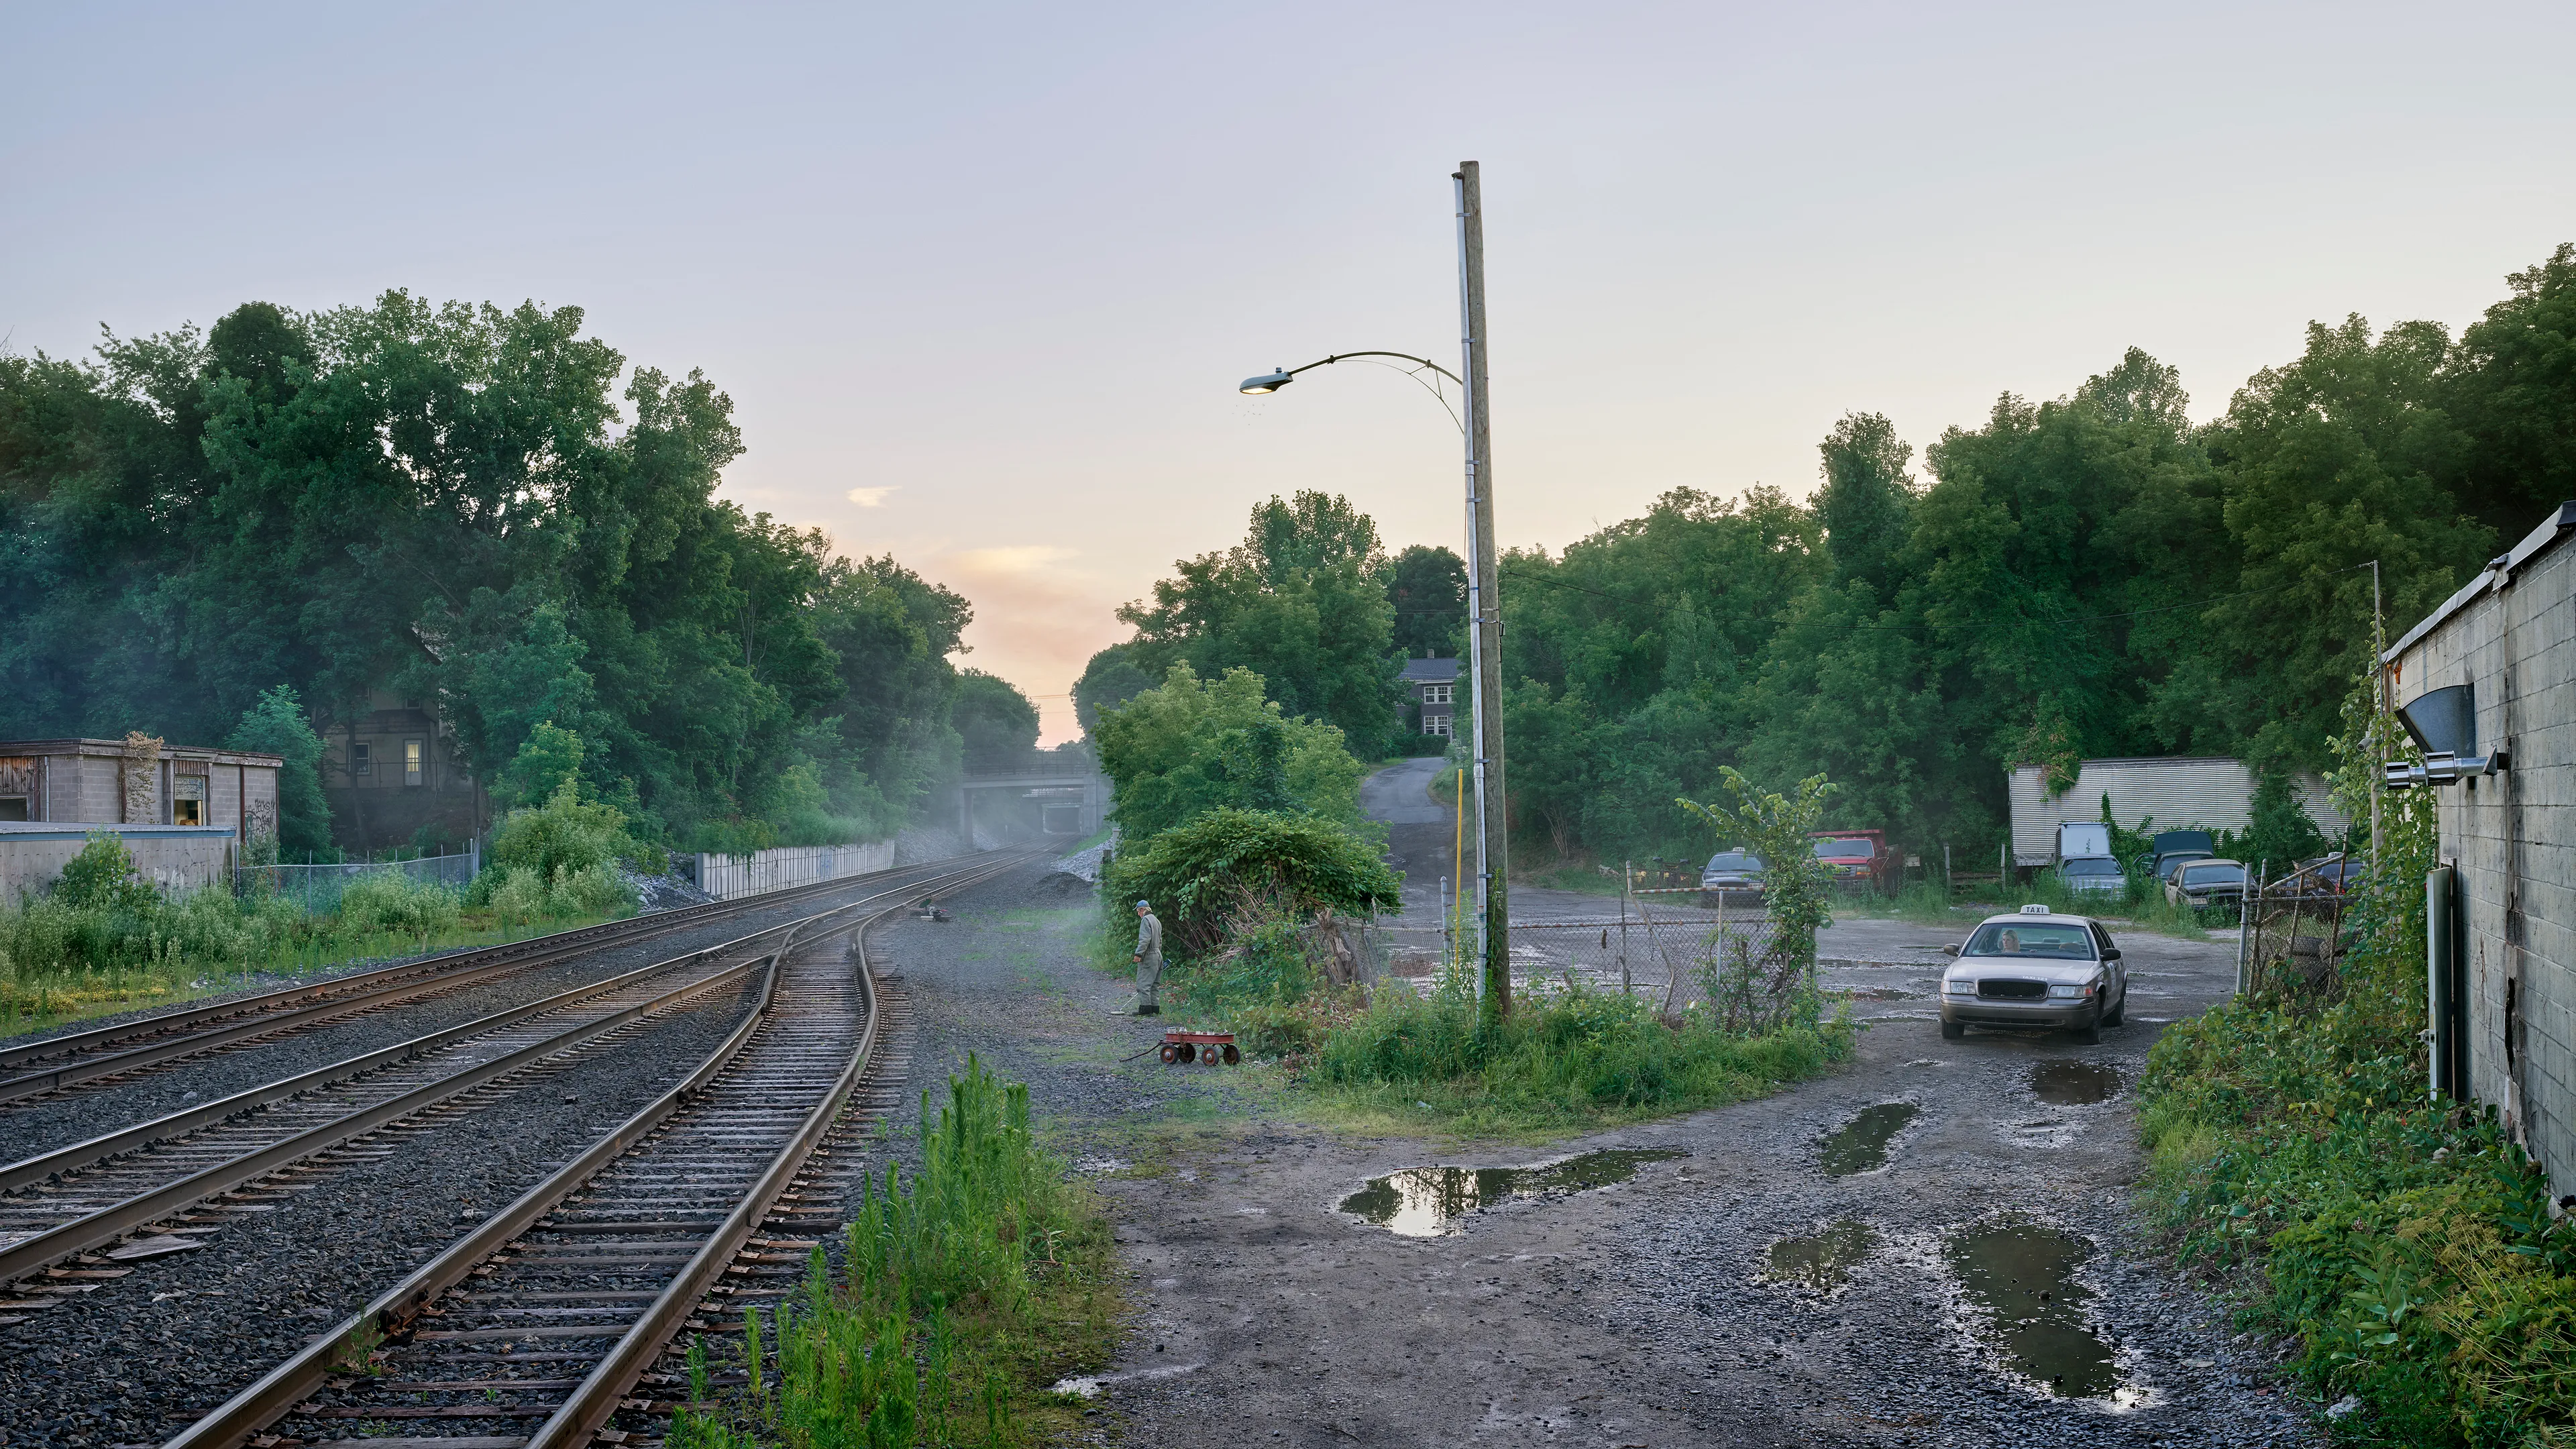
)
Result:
{"points": [[2034, 968]]}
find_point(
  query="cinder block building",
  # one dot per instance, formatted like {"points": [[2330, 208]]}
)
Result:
{"points": [[183, 812], [2487, 685]]}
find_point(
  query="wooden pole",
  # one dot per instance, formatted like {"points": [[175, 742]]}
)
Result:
{"points": [[1484, 600]]}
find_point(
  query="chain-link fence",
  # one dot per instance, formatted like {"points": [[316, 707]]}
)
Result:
{"points": [[1669, 961], [317, 889], [2290, 936]]}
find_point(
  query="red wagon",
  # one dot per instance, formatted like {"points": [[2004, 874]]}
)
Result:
{"points": [[1209, 1047]]}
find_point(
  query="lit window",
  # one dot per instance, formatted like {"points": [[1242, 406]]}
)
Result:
{"points": [[411, 762], [361, 758]]}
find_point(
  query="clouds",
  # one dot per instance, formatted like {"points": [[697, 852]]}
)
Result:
{"points": [[1012, 561], [871, 497]]}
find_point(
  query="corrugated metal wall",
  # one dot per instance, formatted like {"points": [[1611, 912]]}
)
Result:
{"points": [[2178, 794]]}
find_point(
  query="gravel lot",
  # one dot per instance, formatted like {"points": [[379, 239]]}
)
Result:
{"points": [[1640, 1313]]}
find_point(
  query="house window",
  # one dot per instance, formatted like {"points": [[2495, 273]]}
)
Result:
{"points": [[13, 807], [1436, 693], [1436, 724], [411, 762], [188, 800], [362, 759]]}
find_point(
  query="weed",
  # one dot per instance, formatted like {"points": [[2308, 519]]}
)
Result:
{"points": [[988, 1269]]}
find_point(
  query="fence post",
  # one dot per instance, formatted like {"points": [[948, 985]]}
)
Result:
{"points": [[1626, 883]]}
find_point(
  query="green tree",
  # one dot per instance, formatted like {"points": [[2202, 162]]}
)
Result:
{"points": [[1227, 864], [1866, 506], [2510, 387], [1298, 602], [1189, 746], [2333, 461], [1426, 586], [993, 718], [276, 725]]}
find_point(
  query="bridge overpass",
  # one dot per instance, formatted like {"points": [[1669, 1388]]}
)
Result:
{"points": [[1072, 799]]}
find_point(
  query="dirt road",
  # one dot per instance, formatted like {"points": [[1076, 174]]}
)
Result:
{"points": [[1928, 1195]]}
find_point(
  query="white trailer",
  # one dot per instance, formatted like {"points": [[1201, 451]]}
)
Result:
{"points": [[2178, 794]]}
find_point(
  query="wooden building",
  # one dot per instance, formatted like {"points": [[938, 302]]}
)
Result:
{"points": [[393, 776], [1431, 692]]}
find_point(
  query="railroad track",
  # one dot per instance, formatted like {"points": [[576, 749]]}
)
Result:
{"points": [[82, 1197], [537, 1330], [110, 1055]]}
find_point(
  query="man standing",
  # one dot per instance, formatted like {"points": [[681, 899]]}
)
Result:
{"points": [[1149, 959]]}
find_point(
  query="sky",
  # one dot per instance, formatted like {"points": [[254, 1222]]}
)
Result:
{"points": [[981, 279]]}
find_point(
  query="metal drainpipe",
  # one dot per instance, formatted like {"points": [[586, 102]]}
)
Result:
{"points": [[2439, 960]]}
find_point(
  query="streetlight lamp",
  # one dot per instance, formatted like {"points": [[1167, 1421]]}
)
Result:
{"points": [[1484, 598]]}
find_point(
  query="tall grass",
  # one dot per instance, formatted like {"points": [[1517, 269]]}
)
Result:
{"points": [[1566, 1060], [106, 940], [958, 1295]]}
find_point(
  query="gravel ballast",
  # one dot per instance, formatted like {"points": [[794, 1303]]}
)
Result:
{"points": [[45, 1124], [145, 1354]]}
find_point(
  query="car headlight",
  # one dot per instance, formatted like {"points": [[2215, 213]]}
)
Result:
{"points": [[1960, 988], [2072, 993]]}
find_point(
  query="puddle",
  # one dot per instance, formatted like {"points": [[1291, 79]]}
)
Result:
{"points": [[1428, 1202], [1823, 1262], [1860, 1144], [2023, 1275], [2069, 1083]]}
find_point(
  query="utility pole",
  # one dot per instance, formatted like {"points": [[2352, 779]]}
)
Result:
{"points": [[2378, 714], [1484, 601]]}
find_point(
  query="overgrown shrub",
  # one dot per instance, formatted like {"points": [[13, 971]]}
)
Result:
{"points": [[2403, 1243], [391, 903], [1244, 863], [559, 859]]}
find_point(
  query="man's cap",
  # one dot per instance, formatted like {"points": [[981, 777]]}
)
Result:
{"points": [[1144, 905]]}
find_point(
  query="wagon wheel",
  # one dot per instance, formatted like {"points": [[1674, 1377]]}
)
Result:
{"points": [[1187, 1052], [1171, 1054], [1211, 1053], [1231, 1055]]}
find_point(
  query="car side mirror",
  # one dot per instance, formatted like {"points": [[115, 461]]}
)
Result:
{"points": [[2111, 955], [1950, 950]]}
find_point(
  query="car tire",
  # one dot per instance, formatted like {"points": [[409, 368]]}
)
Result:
{"points": [[2119, 1011], [1953, 1030], [2091, 1032]]}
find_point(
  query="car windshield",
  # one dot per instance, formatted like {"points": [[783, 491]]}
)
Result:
{"points": [[1732, 860], [2051, 940], [2201, 875], [2093, 865], [1844, 850]]}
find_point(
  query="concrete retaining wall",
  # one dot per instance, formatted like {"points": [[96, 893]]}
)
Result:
{"points": [[180, 859], [727, 876]]}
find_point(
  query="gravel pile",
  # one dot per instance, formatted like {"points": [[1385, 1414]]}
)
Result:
{"points": [[139, 1358], [44, 1125]]}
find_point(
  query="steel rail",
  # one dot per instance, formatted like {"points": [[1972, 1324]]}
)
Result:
{"points": [[398, 1309], [275, 1011], [107, 1224]]}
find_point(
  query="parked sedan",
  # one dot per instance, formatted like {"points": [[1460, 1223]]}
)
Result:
{"points": [[2206, 883], [2035, 968], [1730, 873], [2093, 875]]}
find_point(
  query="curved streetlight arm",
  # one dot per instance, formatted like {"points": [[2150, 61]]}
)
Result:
{"points": [[1407, 356]]}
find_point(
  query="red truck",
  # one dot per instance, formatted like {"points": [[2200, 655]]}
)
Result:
{"points": [[1857, 858]]}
